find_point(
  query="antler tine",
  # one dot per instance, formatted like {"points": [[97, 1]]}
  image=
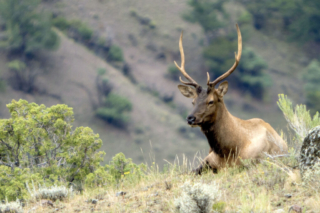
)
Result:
{"points": [[234, 66], [182, 70]]}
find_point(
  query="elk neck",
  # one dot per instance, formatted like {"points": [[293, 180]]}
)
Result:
{"points": [[221, 132]]}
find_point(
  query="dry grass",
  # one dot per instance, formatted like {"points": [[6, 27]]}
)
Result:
{"points": [[265, 187]]}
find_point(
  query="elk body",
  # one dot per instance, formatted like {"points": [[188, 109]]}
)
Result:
{"points": [[230, 138]]}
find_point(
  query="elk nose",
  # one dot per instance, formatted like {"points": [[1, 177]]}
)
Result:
{"points": [[191, 119]]}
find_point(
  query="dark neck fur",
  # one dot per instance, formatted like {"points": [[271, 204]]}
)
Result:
{"points": [[213, 131]]}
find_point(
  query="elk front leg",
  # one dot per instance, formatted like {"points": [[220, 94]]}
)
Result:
{"points": [[212, 160]]}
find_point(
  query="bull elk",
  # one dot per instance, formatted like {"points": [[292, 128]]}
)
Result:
{"points": [[229, 137]]}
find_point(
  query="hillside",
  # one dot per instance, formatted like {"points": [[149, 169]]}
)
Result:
{"points": [[114, 20], [70, 72]]}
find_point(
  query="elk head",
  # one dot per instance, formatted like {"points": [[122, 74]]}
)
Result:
{"points": [[207, 102]]}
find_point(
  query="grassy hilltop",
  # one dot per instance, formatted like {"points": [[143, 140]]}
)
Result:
{"points": [[112, 124]]}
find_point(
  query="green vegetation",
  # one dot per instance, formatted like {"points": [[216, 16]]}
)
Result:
{"points": [[120, 167], [311, 78], [115, 53], [206, 13], [112, 108], [39, 153], [251, 75], [115, 110], [84, 34], [300, 18], [24, 77], [219, 54], [173, 72], [74, 28], [298, 118], [38, 144], [26, 30], [143, 20]]}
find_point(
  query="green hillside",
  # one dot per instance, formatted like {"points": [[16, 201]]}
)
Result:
{"points": [[147, 34]]}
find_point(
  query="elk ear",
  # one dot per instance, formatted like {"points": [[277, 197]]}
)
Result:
{"points": [[188, 92], [223, 88]]}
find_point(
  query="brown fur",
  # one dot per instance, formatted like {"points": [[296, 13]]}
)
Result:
{"points": [[229, 137]]}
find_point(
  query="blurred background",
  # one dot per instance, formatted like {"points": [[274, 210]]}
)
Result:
{"points": [[112, 61]]}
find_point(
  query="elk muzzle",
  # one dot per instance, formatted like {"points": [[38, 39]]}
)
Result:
{"points": [[191, 119]]}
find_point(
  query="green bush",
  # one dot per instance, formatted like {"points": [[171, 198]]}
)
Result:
{"points": [[24, 76], [118, 169], [26, 30], [38, 144], [311, 77], [300, 18], [115, 53], [122, 167], [120, 103], [219, 56], [298, 118], [173, 72], [251, 76], [207, 13], [115, 110], [84, 31], [61, 23]]}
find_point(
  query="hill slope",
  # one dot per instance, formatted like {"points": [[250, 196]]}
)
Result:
{"points": [[70, 73], [73, 72]]}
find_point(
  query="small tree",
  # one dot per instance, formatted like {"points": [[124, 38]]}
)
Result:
{"points": [[115, 110], [112, 108], [27, 31], [206, 13], [38, 143], [251, 76], [219, 54], [24, 78]]}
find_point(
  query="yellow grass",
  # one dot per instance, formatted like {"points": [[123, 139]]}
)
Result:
{"points": [[263, 187]]}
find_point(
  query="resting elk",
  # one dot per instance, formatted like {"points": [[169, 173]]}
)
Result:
{"points": [[230, 138]]}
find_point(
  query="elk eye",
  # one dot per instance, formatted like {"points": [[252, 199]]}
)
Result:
{"points": [[210, 102]]}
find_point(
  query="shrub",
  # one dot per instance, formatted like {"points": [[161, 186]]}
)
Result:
{"points": [[300, 18], [122, 167], [51, 193], [61, 23], [24, 77], [116, 101], [197, 198], [298, 118], [38, 143], [251, 76], [27, 31], [115, 110], [206, 13], [173, 72], [119, 169], [115, 53], [113, 116], [12, 184], [311, 178], [82, 31], [14, 206]]}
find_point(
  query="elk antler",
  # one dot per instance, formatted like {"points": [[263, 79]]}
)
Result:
{"points": [[237, 57], [182, 70]]}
